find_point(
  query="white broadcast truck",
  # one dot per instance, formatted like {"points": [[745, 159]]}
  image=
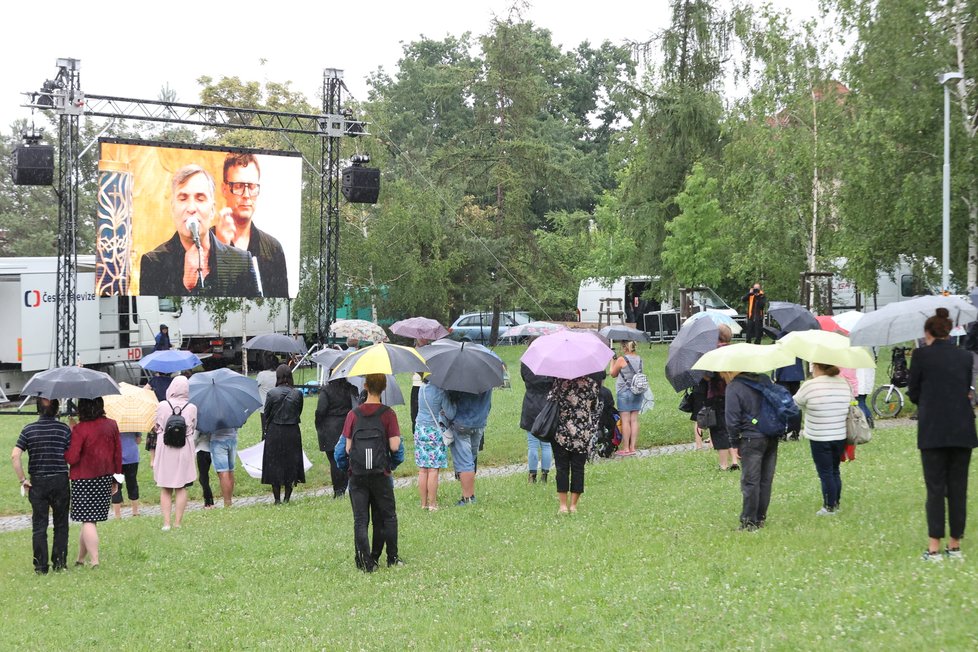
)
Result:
{"points": [[112, 333]]}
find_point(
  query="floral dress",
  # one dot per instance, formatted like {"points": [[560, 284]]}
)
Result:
{"points": [[579, 412]]}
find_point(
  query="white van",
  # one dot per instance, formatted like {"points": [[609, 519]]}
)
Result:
{"points": [[625, 288]]}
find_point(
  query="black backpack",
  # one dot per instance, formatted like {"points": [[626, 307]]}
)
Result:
{"points": [[175, 431], [778, 408], [369, 448], [899, 372]]}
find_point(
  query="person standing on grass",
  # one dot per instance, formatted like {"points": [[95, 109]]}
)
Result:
{"points": [[537, 388], [940, 386], [468, 427], [578, 419], [336, 399], [224, 446], [174, 467], [435, 412], [758, 451], [94, 455], [826, 399], [624, 367], [266, 382], [282, 462], [202, 448], [371, 437], [46, 441], [713, 389], [130, 469]]}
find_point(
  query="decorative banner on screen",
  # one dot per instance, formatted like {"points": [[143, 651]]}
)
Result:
{"points": [[182, 220]]}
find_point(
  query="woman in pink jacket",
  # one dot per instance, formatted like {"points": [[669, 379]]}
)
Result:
{"points": [[175, 467]]}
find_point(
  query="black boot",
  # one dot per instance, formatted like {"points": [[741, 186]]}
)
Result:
{"points": [[533, 477], [543, 476]]}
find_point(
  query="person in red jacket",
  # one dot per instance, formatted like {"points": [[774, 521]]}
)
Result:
{"points": [[94, 456]]}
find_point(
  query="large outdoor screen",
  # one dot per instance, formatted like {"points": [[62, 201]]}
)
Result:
{"points": [[186, 220]]}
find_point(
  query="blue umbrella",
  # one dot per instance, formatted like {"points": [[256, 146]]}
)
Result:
{"points": [[169, 361], [224, 399]]}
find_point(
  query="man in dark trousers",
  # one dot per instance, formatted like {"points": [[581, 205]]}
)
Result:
{"points": [[46, 441], [756, 303]]}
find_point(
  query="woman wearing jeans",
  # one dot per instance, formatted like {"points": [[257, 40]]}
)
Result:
{"points": [[940, 385], [537, 451], [579, 411], [826, 399]]}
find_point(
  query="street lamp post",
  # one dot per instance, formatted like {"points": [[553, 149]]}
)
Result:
{"points": [[946, 215]]}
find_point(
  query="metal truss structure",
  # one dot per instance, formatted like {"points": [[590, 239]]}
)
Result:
{"points": [[64, 95]]}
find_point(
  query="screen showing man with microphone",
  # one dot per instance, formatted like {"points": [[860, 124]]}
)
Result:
{"points": [[193, 261]]}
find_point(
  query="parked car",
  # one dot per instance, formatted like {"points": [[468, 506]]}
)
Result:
{"points": [[475, 326]]}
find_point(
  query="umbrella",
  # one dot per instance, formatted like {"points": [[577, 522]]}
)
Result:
{"points": [[251, 458], [276, 343], [389, 397], [468, 368], [848, 319], [224, 399], [358, 329], [718, 318], [567, 354], [169, 361], [827, 323], [134, 409], [693, 340], [70, 382], [591, 331], [758, 358], [828, 348], [534, 329], [792, 317], [420, 328], [380, 358], [618, 333], [329, 357], [904, 320]]}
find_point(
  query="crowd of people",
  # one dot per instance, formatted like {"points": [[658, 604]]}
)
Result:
{"points": [[85, 464]]}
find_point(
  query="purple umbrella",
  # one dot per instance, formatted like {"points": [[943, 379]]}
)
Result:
{"points": [[420, 328], [567, 354]]}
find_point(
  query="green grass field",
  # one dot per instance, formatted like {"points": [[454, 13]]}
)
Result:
{"points": [[652, 561]]}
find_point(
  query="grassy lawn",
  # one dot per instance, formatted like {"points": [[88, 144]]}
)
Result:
{"points": [[653, 561], [505, 442]]}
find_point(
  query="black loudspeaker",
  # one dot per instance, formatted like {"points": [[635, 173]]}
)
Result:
{"points": [[361, 185], [33, 166]]}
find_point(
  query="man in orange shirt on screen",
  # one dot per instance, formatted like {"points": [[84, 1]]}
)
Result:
{"points": [[193, 261], [242, 188]]}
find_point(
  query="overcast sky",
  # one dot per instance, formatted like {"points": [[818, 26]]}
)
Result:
{"points": [[132, 49]]}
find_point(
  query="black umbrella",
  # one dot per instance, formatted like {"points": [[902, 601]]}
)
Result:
{"points": [[276, 343], [70, 382], [467, 367], [792, 317], [624, 333], [695, 338], [390, 397]]}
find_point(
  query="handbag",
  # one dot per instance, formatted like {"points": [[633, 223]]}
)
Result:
{"points": [[857, 427], [545, 425], [686, 402], [706, 418], [639, 382]]}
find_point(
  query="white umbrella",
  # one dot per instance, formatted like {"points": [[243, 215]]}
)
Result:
{"points": [[848, 319], [251, 459], [903, 321]]}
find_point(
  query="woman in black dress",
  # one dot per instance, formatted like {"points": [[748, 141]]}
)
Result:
{"points": [[940, 385], [282, 459]]}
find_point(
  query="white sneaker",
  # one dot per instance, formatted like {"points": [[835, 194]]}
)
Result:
{"points": [[954, 554], [165, 528], [825, 511], [933, 557]]}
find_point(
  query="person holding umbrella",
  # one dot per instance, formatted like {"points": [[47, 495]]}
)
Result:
{"points": [[94, 457], [579, 411], [756, 304], [940, 386], [282, 458], [629, 403], [469, 428], [713, 390], [336, 399], [175, 467], [435, 412], [537, 388]]}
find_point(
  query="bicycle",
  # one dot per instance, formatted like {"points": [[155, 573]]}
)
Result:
{"points": [[887, 401]]}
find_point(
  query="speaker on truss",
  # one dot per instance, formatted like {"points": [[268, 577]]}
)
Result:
{"points": [[361, 185], [33, 165]]}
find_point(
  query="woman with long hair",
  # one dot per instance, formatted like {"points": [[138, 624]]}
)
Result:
{"points": [[624, 367], [174, 467], [435, 412], [282, 458], [940, 385], [94, 456]]}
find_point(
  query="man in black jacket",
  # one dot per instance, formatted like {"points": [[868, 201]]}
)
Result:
{"points": [[756, 303]]}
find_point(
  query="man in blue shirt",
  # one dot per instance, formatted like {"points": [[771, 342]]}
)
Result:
{"points": [[469, 426], [46, 441]]}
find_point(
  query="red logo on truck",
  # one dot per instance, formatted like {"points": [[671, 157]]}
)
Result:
{"points": [[32, 298]]}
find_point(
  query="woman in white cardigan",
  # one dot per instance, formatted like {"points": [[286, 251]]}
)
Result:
{"points": [[826, 399]]}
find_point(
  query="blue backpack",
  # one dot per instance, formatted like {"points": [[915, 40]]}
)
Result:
{"points": [[778, 408]]}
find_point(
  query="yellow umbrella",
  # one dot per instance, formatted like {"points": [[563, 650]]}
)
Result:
{"points": [[134, 409], [758, 358], [828, 348], [380, 358]]}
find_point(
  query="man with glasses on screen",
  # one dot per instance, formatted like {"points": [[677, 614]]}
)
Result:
{"points": [[242, 188], [193, 261]]}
